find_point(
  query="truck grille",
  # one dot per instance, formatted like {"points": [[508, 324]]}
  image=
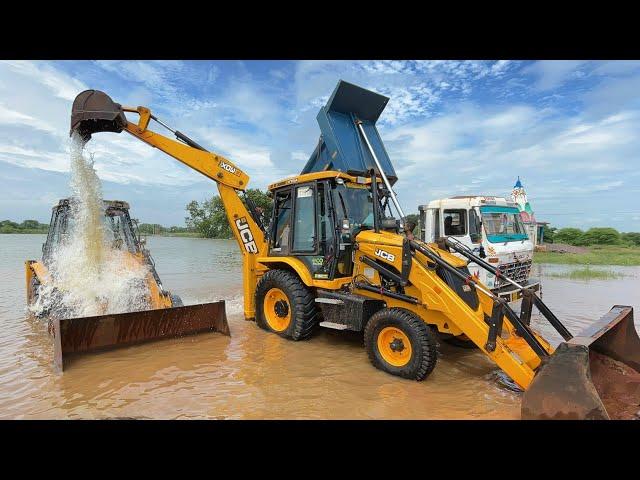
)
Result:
{"points": [[516, 271]]}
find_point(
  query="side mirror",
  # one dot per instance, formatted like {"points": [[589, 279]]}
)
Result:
{"points": [[476, 237]]}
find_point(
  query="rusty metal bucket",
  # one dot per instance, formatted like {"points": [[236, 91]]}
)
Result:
{"points": [[86, 334], [93, 111], [593, 376]]}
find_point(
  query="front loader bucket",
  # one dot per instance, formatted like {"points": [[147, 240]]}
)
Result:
{"points": [[87, 334], [93, 111], [594, 376]]}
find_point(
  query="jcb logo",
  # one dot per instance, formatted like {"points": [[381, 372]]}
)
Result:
{"points": [[228, 168], [246, 235], [386, 255]]}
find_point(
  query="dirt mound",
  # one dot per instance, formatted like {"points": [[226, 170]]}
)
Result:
{"points": [[618, 386]]}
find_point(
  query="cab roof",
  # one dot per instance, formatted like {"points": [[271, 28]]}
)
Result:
{"points": [[107, 203], [309, 177]]}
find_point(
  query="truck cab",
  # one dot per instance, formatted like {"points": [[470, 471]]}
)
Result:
{"points": [[492, 228]]}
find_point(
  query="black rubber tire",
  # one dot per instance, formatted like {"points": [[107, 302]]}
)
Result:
{"points": [[460, 343], [304, 313], [424, 343], [176, 301]]}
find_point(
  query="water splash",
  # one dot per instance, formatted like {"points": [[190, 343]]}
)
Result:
{"points": [[90, 276]]}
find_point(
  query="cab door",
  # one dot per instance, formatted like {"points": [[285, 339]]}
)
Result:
{"points": [[430, 225], [280, 231], [303, 227]]}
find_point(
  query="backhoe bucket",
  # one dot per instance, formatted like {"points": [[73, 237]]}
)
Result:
{"points": [[93, 111], [87, 334], [594, 376]]}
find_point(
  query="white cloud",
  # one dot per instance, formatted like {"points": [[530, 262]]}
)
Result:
{"points": [[11, 117], [61, 85], [415, 88], [156, 75], [553, 73], [450, 126]]}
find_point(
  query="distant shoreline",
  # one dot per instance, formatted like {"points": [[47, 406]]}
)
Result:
{"points": [[594, 255], [27, 231], [168, 234], [173, 234]]}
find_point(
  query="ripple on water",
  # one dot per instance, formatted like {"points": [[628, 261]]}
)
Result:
{"points": [[252, 374]]}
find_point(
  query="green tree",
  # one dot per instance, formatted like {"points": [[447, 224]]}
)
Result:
{"points": [[262, 201], [151, 228], [632, 238], [572, 236], [7, 226], [30, 224], [210, 219], [548, 233], [415, 218], [601, 236], [27, 226]]}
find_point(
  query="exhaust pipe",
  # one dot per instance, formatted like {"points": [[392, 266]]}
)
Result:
{"points": [[593, 376], [73, 336]]}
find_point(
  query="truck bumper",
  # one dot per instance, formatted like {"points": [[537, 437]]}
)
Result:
{"points": [[512, 294]]}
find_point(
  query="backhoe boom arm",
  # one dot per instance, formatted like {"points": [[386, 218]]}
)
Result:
{"points": [[212, 165], [94, 111]]}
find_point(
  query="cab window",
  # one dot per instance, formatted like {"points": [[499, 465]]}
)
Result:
{"points": [[475, 226], [282, 222], [455, 222], [304, 230]]}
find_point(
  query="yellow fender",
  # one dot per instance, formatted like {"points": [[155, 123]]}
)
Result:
{"points": [[303, 272]]}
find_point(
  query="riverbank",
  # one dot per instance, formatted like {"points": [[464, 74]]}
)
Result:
{"points": [[168, 234], [27, 230], [594, 255], [173, 234]]}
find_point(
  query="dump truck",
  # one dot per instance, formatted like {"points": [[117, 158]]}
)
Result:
{"points": [[492, 228], [335, 255], [167, 316]]}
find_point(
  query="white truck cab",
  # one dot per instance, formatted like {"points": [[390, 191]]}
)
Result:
{"points": [[491, 227]]}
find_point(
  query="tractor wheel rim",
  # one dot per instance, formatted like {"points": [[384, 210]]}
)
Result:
{"points": [[277, 310], [394, 346]]}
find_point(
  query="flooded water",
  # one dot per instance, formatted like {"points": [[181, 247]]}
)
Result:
{"points": [[253, 374]]}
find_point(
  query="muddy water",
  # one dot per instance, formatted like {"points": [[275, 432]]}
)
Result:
{"points": [[252, 374]]}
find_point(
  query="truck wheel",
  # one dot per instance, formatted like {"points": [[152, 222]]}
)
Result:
{"points": [[400, 343], [460, 342], [284, 305]]}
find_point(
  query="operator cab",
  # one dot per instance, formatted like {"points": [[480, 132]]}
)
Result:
{"points": [[317, 220], [118, 227]]}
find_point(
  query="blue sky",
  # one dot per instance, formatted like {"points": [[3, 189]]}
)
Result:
{"points": [[569, 129]]}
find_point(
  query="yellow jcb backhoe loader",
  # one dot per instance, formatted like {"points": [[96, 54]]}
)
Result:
{"points": [[334, 256], [166, 317]]}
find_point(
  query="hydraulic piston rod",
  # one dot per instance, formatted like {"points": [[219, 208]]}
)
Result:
{"points": [[394, 199]]}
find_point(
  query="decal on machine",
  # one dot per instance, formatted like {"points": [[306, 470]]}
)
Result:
{"points": [[389, 257], [228, 167], [246, 235]]}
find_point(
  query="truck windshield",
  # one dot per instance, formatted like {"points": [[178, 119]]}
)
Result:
{"points": [[358, 205], [502, 224]]}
